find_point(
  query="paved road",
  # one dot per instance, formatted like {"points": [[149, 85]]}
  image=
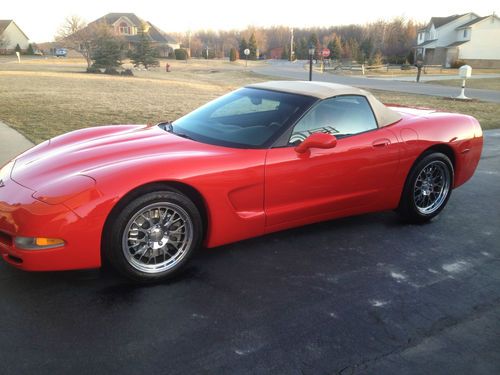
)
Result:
{"points": [[364, 295], [296, 71]]}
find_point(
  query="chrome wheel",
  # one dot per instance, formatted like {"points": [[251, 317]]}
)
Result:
{"points": [[157, 237], [431, 187]]}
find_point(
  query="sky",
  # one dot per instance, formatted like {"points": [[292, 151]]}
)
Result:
{"points": [[40, 19]]}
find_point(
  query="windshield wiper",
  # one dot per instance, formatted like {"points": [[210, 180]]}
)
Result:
{"points": [[169, 127], [166, 125]]}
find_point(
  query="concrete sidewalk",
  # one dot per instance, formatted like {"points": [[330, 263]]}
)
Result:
{"points": [[11, 143]]}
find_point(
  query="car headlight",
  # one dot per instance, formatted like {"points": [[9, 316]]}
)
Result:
{"points": [[37, 243], [6, 171]]}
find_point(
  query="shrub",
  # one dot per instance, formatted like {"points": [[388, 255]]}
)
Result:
{"points": [[457, 64], [30, 50], [127, 72], [93, 70], [406, 67], [180, 54], [111, 71]]}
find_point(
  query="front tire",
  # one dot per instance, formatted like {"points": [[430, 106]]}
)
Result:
{"points": [[427, 188], [154, 235]]}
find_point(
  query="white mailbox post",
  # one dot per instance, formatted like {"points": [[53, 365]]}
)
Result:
{"points": [[464, 72]]}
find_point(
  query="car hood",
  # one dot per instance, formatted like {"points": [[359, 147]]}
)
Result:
{"points": [[82, 151]]}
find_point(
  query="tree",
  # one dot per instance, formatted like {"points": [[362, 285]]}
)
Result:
{"points": [[335, 47], [18, 48], [285, 55], [252, 46], [75, 34], [144, 54], [313, 40], [243, 46], [30, 50], [107, 50], [233, 54]]}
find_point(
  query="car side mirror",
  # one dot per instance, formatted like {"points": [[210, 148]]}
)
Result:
{"points": [[316, 140]]}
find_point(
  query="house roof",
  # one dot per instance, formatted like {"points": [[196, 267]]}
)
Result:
{"points": [[456, 44], [154, 33], [441, 21], [426, 42], [323, 90], [477, 20], [111, 18], [4, 24]]}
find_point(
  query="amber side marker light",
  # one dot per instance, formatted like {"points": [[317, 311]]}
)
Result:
{"points": [[37, 243]]}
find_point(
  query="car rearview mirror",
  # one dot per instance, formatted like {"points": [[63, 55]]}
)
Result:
{"points": [[317, 140]]}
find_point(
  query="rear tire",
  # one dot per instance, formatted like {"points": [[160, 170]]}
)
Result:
{"points": [[427, 188], [153, 236]]}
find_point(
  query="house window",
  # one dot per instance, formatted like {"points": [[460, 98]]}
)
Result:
{"points": [[124, 28], [465, 33]]}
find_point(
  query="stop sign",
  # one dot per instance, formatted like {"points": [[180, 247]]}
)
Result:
{"points": [[325, 52]]}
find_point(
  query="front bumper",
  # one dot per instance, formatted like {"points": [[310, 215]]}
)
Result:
{"points": [[23, 215]]}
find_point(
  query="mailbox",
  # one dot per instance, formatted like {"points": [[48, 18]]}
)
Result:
{"points": [[465, 71]]}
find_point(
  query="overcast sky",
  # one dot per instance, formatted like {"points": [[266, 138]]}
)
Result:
{"points": [[40, 19]]}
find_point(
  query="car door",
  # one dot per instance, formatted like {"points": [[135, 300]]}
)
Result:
{"points": [[350, 178]]}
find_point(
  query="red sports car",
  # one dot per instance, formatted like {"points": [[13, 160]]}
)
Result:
{"points": [[263, 158]]}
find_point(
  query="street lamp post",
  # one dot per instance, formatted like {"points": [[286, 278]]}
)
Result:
{"points": [[311, 54]]}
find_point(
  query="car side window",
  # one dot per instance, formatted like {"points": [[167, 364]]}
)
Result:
{"points": [[339, 116]]}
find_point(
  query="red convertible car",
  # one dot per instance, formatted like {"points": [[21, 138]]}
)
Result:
{"points": [[263, 158]]}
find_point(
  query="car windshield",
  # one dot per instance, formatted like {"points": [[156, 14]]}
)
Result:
{"points": [[245, 118]]}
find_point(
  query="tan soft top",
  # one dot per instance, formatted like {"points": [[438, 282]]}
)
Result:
{"points": [[323, 90]]}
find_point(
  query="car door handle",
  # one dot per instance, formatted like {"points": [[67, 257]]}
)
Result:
{"points": [[381, 142]]}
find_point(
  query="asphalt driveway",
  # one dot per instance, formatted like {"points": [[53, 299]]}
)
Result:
{"points": [[357, 295]]}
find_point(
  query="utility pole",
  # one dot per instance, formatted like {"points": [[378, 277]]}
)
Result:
{"points": [[291, 45]]}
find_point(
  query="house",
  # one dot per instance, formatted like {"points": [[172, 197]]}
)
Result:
{"points": [[461, 37], [276, 53], [128, 26], [10, 36]]}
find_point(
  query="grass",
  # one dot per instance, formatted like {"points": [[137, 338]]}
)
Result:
{"points": [[478, 83], [45, 98], [487, 113]]}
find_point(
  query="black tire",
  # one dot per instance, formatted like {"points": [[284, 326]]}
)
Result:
{"points": [[413, 207], [122, 252]]}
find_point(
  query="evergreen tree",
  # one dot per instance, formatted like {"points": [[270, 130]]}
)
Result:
{"points": [[107, 52], [285, 55], [335, 48], [252, 46], [243, 47], [30, 50], [301, 51], [313, 40], [233, 54], [144, 54]]}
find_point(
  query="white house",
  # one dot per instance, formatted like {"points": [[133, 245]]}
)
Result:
{"points": [[11, 35], [466, 37]]}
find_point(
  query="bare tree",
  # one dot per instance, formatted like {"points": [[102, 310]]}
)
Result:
{"points": [[75, 34]]}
